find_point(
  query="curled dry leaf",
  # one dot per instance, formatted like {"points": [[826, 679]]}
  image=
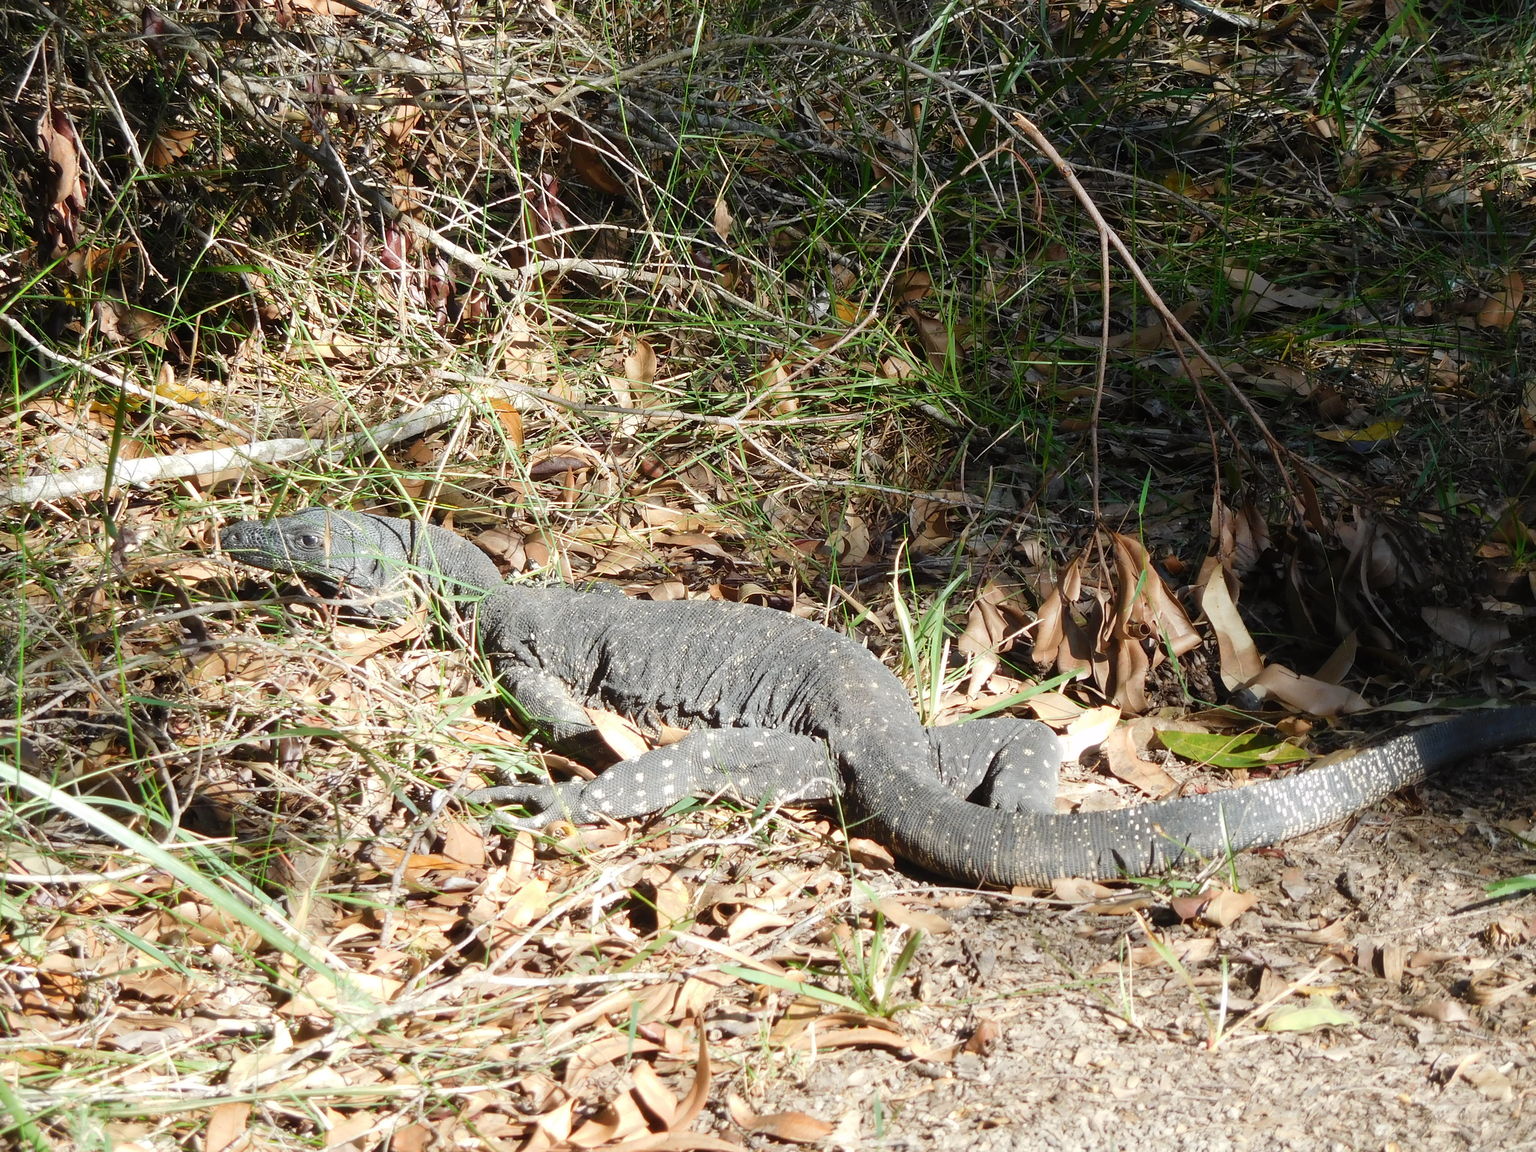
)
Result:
{"points": [[1306, 694], [1501, 307], [996, 620], [695, 541], [226, 670], [1056, 708], [1122, 753], [1257, 294], [653, 1096], [1443, 1011], [1120, 904], [618, 733], [1145, 607], [226, 1124], [673, 902], [1062, 642], [640, 363], [520, 905], [595, 160], [776, 388], [463, 842], [341, 1128], [1118, 631], [691, 1105], [564, 458], [1085, 730], [849, 542], [930, 520], [933, 335], [870, 853], [1373, 560], [910, 285], [592, 1056], [170, 145], [1478, 635], [1076, 890], [723, 220], [897, 912], [332, 8], [1334, 932], [57, 140], [867, 1036], [1489, 1081], [796, 1127], [1318, 1012], [752, 920], [1340, 660], [984, 1037], [1240, 660], [1224, 907]]}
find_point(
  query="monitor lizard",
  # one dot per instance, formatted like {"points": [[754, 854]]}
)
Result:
{"points": [[782, 707]]}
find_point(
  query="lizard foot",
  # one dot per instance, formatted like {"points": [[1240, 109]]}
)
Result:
{"points": [[546, 803]]}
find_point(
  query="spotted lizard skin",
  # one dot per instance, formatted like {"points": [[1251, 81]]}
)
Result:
{"points": [[783, 708]]}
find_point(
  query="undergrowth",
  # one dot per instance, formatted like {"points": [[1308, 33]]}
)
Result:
{"points": [[725, 300]]}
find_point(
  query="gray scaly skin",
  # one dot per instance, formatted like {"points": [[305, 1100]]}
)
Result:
{"points": [[782, 703]]}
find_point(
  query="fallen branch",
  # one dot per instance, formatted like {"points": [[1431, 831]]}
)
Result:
{"points": [[138, 473]]}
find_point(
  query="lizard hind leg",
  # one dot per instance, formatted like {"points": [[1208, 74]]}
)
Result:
{"points": [[1009, 764]]}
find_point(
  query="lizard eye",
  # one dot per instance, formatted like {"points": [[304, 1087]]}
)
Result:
{"points": [[309, 541]]}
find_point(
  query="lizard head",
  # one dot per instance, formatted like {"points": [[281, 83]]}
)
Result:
{"points": [[350, 554]]}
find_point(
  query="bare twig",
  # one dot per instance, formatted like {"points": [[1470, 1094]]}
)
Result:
{"points": [[136, 473]]}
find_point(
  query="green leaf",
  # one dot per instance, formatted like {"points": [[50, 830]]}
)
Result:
{"points": [[1244, 750], [1317, 1012], [1513, 885], [793, 987]]}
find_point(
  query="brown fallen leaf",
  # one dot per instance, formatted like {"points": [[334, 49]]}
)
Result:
{"points": [[796, 1127], [619, 733], [1443, 1011], [1076, 890], [1240, 659], [870, 1037], [341, 1128], [226, 1124], [996, 620], [984, 1037], [1501, 307], [57, 140], [897, 912], [870, 853], [169, 145], [1225, 907], [1122, 755], [1189, 950], [1334, 932], [1257, 294], [1487, 1080], [1477, 634], [1307, 694]]}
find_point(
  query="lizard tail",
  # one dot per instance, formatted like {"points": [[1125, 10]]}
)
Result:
{"points": [[982, 845]]}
